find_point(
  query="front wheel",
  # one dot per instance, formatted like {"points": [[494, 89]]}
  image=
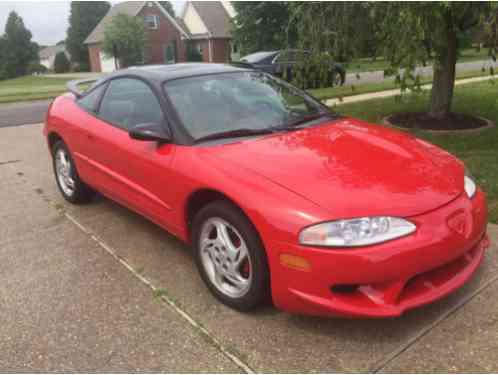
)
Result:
{"points": [[230, 256]]}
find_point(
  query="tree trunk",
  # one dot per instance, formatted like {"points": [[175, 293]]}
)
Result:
{"points": [[444, 76]]}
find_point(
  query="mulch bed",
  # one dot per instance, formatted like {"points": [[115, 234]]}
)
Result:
{"points": [[421, 120]]}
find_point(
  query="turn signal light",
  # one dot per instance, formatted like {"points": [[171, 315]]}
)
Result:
{"points": [[295, 262]]}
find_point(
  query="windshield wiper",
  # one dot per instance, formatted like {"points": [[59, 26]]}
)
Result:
{"points": [[302, 119], [244, 132]]}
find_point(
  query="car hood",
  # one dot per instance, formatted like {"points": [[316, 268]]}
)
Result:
{"points": [[352, 168]]}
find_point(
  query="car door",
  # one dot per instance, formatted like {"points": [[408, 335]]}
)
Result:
{"points": [[135, 173]]}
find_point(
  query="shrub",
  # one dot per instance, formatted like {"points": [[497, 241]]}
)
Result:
{"points": [[61, 63], [36, 68]]}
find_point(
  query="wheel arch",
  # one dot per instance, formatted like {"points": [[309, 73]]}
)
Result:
{"points": [[199, 199], [204, 196], [52, 138]]}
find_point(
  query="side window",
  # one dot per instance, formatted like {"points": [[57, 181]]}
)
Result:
{"points": [[267, 60], [91, 100], [281, 58], [128, 102]]}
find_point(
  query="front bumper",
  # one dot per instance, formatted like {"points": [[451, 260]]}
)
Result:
{"points": [[386, 279]]}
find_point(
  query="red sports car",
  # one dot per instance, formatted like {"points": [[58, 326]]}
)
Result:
{"points": [[280, 198]]}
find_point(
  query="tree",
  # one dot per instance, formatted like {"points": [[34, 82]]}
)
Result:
{"points": [[168, 8], [124, 39], [3, 72], [262, 25], [61, 63], [406, 34], [17, 49], [84, 17]]}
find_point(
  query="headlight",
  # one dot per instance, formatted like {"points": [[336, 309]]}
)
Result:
{"points": [[356, 232], [469, 184]]}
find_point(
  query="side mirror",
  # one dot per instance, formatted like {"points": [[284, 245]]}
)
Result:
{"points": [[149, 132]]}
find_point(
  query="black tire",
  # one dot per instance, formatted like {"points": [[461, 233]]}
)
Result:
{"points": [[81, 193], [259, 290]]}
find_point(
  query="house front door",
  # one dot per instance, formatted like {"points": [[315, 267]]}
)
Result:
{"points": [[170, 53]]}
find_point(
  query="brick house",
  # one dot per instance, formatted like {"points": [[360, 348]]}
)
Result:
{"points": [[206, 25]]}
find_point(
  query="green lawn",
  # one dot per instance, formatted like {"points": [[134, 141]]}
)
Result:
{"points": [[31, 88], [349, 90], [369, 65], [479, 151]]}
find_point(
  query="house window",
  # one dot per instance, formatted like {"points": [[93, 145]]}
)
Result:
{"points": [[199, 48], [151, 21]]}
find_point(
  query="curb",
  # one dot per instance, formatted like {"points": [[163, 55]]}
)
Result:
{"points": [[489, 124]]}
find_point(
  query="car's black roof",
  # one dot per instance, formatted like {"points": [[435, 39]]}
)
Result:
{"points": [[161, 73]]}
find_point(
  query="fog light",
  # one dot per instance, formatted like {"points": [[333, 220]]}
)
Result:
{"points": [[344, 288], [295, 262]]}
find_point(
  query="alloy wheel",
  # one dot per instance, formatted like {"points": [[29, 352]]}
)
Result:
{"points": [[64, 172], [225, 258]]}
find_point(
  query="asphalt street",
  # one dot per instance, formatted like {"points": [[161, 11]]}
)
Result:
{"points": [[378, 76], [15, 114]]}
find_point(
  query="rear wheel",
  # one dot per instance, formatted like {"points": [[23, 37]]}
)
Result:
{"points": [[230, 257], [70, 185]]}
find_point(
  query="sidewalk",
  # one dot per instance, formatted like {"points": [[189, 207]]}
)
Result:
{"points": [[390, 93]]}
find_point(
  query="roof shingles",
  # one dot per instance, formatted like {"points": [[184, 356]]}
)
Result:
{"points": [[215, 17], [130, 8]]}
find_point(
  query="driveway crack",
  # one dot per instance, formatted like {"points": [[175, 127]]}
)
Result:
{"points": [[382, 363], [9, 162], [166, 299]]}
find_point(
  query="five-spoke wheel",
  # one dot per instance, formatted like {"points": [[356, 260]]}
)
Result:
{"points": [[72, 188], [64, 171], [225, 257], [230, 256]]}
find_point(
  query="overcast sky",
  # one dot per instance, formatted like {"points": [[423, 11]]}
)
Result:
{"points": [[47, 20]]}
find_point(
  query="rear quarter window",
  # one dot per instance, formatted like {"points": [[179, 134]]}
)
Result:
{"points": [[91, 100]]}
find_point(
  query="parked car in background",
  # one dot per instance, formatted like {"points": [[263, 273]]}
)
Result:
{"points": [[283, 64]]}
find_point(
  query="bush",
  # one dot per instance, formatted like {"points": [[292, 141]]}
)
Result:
{"points": [[36, 68], [3, 73], [80, 67], [61, 63]]}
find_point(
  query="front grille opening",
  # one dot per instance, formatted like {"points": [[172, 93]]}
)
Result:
{"points": [[344, 288]]}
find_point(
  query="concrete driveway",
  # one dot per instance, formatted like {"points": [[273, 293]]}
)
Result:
{"points": [[98, 288]]}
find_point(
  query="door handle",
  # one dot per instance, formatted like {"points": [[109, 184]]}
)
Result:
{"points": [[90, 137]]}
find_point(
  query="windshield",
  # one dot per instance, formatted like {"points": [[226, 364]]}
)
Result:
{"points": [[252, 101]]}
